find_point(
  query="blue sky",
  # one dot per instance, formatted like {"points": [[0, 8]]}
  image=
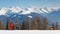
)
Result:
{"points": [[27, 3]]}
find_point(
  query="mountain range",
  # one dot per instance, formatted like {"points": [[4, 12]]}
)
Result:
{"points": [[52, 14]]}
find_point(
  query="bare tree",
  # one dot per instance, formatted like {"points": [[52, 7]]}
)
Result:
{"points": [[44, 24], [9, 24], [1, 25], [56, 26], [35, 25], [17, 25], [25, 25]]}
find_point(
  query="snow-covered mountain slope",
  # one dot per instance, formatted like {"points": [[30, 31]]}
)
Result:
{"points": [[30, 12]]}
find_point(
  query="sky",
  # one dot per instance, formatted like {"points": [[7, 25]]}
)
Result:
{"points": [[27, 3]]}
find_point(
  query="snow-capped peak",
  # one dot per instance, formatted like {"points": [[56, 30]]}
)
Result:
{"points": [[3, 11], [28, 10], [15, 9]]}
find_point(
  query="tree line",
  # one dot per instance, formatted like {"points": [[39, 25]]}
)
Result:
{"points": [[34, 24]]}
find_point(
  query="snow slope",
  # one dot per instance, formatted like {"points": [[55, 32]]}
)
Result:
{"points": [[29, 10]]}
